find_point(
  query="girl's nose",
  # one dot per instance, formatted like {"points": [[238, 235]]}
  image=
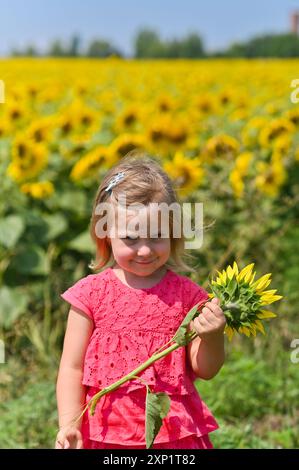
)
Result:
{"points": [[144, 250]]}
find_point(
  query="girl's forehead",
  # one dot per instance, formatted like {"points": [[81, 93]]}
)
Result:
{"points": [[148, 218]]}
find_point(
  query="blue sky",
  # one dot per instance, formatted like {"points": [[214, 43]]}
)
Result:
{"points": [[219, 22]]}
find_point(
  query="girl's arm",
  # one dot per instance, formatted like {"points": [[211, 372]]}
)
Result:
{"points": [[206, 353], [69, 390]]}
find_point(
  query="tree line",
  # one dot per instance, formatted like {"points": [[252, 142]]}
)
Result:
{"points": [[149, 45]]}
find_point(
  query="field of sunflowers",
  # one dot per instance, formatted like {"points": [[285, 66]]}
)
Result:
{"points": [[227, 133]]}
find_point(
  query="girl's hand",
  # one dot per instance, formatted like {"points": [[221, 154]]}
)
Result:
{"points": [[69, 438], [211, 321]]}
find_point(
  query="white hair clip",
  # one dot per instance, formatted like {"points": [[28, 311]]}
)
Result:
{"points": [[113, 182]]}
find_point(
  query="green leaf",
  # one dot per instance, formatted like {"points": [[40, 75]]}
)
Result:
{"points": [[156, 408], [216, 290], [12, 304], [57, 225], [11, 228], [231, 287], [31, 259], [82, 243], [180, 335], [75, 201], [228, 314]]}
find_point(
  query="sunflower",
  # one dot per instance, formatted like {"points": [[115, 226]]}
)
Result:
{"points": [[88, 119], [21, 147], [128, 119], [167, 133], [165, 103], [75, 147], [239, 115], [30, 161], [293, 116], [89, 165], [205, 104], [282, 144], [39, 190], [251, 130], [124, 144], [271, 176], [40, 130], [275, 129], [222, 145], [242, 299], [225, 96], [239, 172], [15, 111], [4, 128], [66, 124], [187, 173]]}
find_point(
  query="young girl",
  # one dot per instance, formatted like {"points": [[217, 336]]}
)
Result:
{"points": [[122, 315]]}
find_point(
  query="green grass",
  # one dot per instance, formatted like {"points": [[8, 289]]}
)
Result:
{"points": [[253, 399]]}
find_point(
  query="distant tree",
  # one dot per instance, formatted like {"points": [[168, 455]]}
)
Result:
{"points": [[192, 47], [56, 49], [74, 46], [270, 45], [102, 48], [15, 52], [147, 44], [173, 49], [30, 51]]}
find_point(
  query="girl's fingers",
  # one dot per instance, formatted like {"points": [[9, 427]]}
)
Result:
{"points": [[203, 321], [215, 300], [213, 307], [79, 444], [66, 444]]}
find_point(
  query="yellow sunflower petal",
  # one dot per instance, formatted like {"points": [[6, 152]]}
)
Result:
{"points": [[224, 276], [247, 277], [262, 283], [229, 332], [244, 330], [244, 271], [230, 272], [253, 330], [270, 292], [259, 326], [235, 268], [266, 314], [270, 300], [252, 278]]}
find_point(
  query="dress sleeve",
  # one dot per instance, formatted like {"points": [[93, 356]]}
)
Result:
{"points": [[79, 295], [194, 294]]}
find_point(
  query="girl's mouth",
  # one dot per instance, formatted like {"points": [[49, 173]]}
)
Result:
{"points": [[145, 262]]}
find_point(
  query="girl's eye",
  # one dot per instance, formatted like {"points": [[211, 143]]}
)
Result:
{"points": [[132, 238]]}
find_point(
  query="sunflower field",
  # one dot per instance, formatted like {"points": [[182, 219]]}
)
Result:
{"points": [[227, 133]]}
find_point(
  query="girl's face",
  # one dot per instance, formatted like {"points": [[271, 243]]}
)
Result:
{"points": [[138, 254]]}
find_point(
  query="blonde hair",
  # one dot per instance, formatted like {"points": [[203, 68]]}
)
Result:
{"points": [[145, 182]]}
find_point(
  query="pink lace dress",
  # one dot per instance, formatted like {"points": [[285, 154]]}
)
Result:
{"points": [[129, 326]]}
